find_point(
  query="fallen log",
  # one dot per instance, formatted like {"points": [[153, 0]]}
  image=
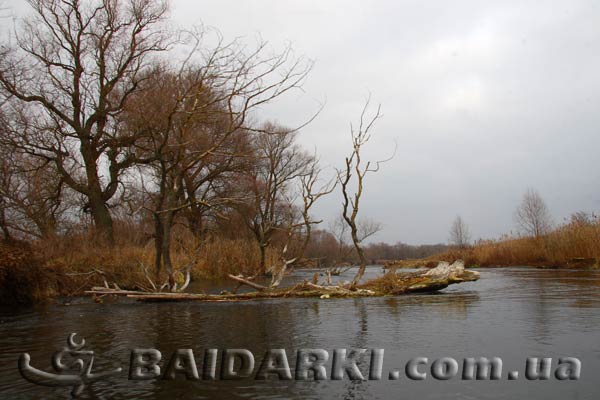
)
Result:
{"points": [[438, 278], [392, 283]]}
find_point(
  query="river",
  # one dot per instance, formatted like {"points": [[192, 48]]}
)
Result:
{"points": [[511, 313]]}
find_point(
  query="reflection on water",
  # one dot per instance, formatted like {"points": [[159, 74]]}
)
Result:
{"points": [[511, 313]]}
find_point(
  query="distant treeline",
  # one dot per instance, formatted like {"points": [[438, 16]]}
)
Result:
{"points": [[324, 246]]}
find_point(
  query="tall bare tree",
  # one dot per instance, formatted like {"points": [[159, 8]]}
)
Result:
{"points": [[199, 122], [459, 233], [279, 163], [74, 66], [532, 216], [351, 179]]}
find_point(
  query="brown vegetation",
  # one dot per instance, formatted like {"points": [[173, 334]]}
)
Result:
{"points": [[23, 278], [575, 244]]}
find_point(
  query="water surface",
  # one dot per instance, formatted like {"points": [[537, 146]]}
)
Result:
{"points": [[510, 313]]}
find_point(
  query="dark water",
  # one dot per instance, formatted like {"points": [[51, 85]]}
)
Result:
{"points": [[509, 313]]}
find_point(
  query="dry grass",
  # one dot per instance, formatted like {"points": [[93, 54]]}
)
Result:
{"points": [[79, 256], [219, 257], [571, 245]]}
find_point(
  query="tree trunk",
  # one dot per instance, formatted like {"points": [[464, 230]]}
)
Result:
{"points": [[362, 259], [47, 227], [163, 224], [158, 235], [194, 219], [166, 249], [263, 259], [3, 224], [103, 222]]}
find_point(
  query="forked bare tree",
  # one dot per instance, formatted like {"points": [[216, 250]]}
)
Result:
{"points": [[351, 179], [532, 216], [74, 66], [459, 233]]}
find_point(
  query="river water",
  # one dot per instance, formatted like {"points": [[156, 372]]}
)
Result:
{"points": [[512, 313]]}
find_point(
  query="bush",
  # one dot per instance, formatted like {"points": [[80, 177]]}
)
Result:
{"points": [[24, 279]]}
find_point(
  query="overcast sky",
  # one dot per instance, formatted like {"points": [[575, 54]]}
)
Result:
{"points": [[484, 98]]}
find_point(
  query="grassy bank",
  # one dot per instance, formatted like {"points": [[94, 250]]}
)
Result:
{"points": [[67, 266], [575, 245], [38, 271]]}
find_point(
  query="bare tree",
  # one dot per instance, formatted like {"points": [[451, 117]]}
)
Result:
{"points": [[351, 180], [459, 233], [279, 162], [199, 124], [312, 190], [74, 66], [300, 222], [32, 203], [582, 218], [532, 216]]}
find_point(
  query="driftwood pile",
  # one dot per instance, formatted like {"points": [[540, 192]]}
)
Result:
{"points": [[392, 283]]}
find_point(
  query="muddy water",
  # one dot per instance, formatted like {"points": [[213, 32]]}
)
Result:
{"points": [[510, 313]]}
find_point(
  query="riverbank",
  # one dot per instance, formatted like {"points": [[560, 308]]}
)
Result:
{"points": [[34, 272], [25, 278], [575, 245]]}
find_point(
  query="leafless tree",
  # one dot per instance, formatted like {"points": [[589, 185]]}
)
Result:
{"points": [[532, 216], [300, 221], [582, 218], [351, 179], [32, 203], [199, 122], [312, 189], [32, 199], [279, 163], [74, 66], [181, 124], [459, 233]]}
